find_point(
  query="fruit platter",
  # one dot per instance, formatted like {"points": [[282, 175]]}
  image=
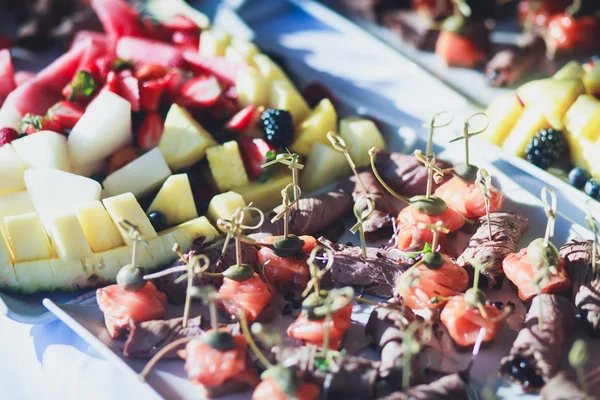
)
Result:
{"points": [[239, 238]]}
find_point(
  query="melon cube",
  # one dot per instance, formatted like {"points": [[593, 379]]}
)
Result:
{"points": [[12, 170], [226, 166], [98, 227], [10, 117], [323, 166], [213, 43], [28, 238], [175, 200], [8, 278], [251, 88], [68, 238], [12, 204], [269, 69], [315, 128], [284, 96], [126, 207], [265, 195], [44, 149], [361, 135], [224, 205]]}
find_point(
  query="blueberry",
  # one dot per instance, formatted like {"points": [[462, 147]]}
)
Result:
{"points": [[158, 220], [578, 177], [592, 188], [99, 177]]}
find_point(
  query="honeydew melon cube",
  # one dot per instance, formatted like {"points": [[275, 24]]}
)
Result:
{"points": [[10, 117], [361, 135], [503, 113], [12, 170], [28, 238], [44, 149], [126, 207], [315, 127], [68, 238], [104, 128], [583, 117], [226, 166], [213, 43], [251, 88], [224, 205], [175, 200], [99, 229], [12, 204], [90, 169], [140, 177], [284, 96]]}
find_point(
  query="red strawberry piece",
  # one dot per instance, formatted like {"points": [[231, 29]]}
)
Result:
{"points": [[148, 72], [255, 153], [80, 88], [231, 93], [112, 83], [201, 92], [180, 23], [31, 123], [225, 70], [242, 119], [151, 131], [150, 93], [186, 39], [7, 75], [7, 135], [65, 115], [314, 92], [225, 108], [174, 81], [23, 76], [50, 125], [146, 51], [118, 18], [567, 34], [129, 89]]}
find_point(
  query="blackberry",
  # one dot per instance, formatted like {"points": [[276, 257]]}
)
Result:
{"points": [[546, 148], [278, 127]]}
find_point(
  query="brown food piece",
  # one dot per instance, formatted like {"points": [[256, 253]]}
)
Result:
{"points": [[449, 387], [510, 65], [561, 387], [507, 229], [417, 29]]}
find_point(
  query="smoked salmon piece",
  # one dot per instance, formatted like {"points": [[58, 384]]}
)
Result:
{"points": [[467, 199], [269, 390], [410, 237], [464, 322], [313, 331], [519, 270], [446, 281], [219, 372], [249, 296], [121, 306]]}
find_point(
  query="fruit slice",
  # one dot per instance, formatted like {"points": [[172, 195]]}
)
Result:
{"points": [[117, 17], [583, 118], [226, 166], [223, 206], [55, 192], [213, 43], [126, 207], [68, 238], [140, 177], [27, 237], [572, 69], [201, 92], [581, 149], [184, 141], [360, 135], [314, 128], [8, 277], [591, 80], [104, 128], [44, 149], [10, 117], [503, 113], [12, 169], [323, 166], [7, 76], [531, 121], [242, 50], [99, 229], [147, 51], [175, 200], [225, 70], [265, 195], [12, 204], [251, 88], [269, 69], [284, 96]]}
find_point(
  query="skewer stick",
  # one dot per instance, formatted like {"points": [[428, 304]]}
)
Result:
{"points": [[550, 210], [590, 221], [467, 135], [251, 343], [291, 160], [316, 273], [578, 358], [133, 231], [194, 268], [433, 171], [436, 229], [484, 184], [234, 226], [287, 207], [382, 182], [338, 143], [433, 126], [362, 215]]}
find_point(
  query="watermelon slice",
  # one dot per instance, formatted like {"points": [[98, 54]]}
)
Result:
{"points": [[118, 18], [225, 70], [97, 38], [146, 51], [23, 76], [7, 75]]}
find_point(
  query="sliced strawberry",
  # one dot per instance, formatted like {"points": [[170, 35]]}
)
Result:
{"points": [[129, 89], [148, 72], [186, 39], [7, 135], [80, 88], [255, 153], [201, 92], [23, 76], [175, 79], [65, 115], [7, 75], [150, 93], [118, 18], [112, 83], [150, 131], [225, 70], [146, 51], [242, 119], [180, 23]]}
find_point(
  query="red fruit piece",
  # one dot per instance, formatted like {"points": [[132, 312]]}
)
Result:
{"points": [[64, 115], [202, 92], [129, 89], [150, 93], [146, 51], [180, 23], [112, 83], [23, 76], [150, 131], [80, 88], [118, 18], [7, 75], [7, 135], [148, 72], [31, 123], [174, 81], [567, 34], [225, 70], [186, 39], [242, 119], [459, 51], [95, 37], [255, 153], [314, 92]]}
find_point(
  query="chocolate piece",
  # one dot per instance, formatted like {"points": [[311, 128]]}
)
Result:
{"points": [[536, 353], [376, 274], [561, 387], [507, 229], [510, 65], [449, 387]]}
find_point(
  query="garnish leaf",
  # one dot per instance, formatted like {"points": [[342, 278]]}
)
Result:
{"points": [[82, 85], [119, 64]]}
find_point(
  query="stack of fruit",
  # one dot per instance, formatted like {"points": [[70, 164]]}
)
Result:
{"points": [[554, 122]]}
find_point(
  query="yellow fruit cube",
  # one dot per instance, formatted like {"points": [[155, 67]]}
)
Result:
{"points": [[98, 227], [28, 238], [314, 128], [251, 88], [68, 238], [531, 121], [14, 204], [284, 96], [224, 205], [265, 195], [583, 117], [503, 114], [241, 51], [213, 43], [361, 135], [184, 141], [12, 169], [126, 207], [8, 278], [226, 166], [175, 200], [323, 166], [572, 69], [269, 69], [591, 79]]}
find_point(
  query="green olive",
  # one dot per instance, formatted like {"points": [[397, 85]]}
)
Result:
{"points": [[286, 378], [131, 278], [541, 256], [433, 260], [288, 246], [219, 340], [312, 301], [239, 273], [433, 205], [475, 297], [466, 172]]}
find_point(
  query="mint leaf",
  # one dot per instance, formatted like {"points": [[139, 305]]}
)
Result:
{"points": [[427, 248], [82, 85], [119, 65]]}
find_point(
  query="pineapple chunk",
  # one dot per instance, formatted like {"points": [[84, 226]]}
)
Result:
{"points": [[213, 43], [269, 69], [314, 128], [125, 206], [14, 204], [583, 118], [265, 195], [323, 166], [8, 278], [241, 51], [361, 135], [572, 69], [68, 238], [184, 141], [284, 96], [580, 148], [175, 200], [552, 96], [223, 206], [591, 155], [12, 170], [531, 121], [28, 238], [226, 166], [503, 114], [591, 79], [251, 88], [98, 227]]}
